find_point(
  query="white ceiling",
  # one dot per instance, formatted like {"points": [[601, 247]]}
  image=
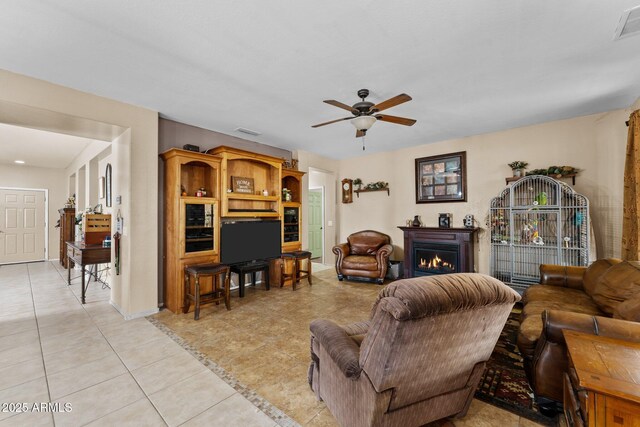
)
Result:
{"points": [[471, 66], [39, 148]]}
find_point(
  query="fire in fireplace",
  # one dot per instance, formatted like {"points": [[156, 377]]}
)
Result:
{"points": [[436, 265], [435, 258]]}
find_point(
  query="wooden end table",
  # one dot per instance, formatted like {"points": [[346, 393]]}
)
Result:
{"points": [[602, 386]]}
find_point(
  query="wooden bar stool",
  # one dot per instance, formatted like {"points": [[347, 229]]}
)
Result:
{"points": [[297, 271], [288, 258], [220, 290], [301, 257]]}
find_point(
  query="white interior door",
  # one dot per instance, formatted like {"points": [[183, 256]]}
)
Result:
{"points": [[22, 225]]}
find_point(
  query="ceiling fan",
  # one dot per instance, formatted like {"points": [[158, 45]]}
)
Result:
{"points": [[365, 113]]}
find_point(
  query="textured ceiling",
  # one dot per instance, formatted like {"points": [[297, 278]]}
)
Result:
{"points": [[471, 66]]}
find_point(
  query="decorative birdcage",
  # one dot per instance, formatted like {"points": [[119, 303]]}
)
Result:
{"points": [[537, 220]]}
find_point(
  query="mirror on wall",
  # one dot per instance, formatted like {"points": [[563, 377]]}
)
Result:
{"points": [[107, 191]]}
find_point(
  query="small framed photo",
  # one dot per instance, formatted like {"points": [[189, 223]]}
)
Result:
{"points": [[441, 178]]}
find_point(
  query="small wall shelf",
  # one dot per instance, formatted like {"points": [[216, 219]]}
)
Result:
{"points": [[515, 178], [365, 190]]}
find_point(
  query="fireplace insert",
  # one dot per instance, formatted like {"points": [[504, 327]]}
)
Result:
{"points": [[435, 258]]}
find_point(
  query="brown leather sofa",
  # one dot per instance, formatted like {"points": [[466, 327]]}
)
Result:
{"points": [[418, 358], [366, 254], [578, 298]]}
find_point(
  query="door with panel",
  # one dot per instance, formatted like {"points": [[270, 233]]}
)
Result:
{"points": [[22, 226], [316, 226]]}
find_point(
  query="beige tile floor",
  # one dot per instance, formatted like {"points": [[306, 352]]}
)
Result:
{"points": [[263, 342], [110, 371]]}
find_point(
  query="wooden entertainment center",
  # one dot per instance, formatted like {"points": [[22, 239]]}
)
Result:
{"points": [[199, 193]]}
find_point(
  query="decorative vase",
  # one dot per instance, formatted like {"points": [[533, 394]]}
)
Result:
{"points": [[517, 173], [416, 221]]}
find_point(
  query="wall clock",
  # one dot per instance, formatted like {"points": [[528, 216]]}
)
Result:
{"points": [[347, 190]]}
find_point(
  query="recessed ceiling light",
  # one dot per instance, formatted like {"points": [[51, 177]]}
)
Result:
{"points": [[20, 162]]}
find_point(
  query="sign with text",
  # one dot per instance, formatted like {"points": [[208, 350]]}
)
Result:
{"points": [[242, 185]]}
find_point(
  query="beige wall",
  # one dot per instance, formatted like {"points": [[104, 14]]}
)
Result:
{"points": [[53, 180], [138, 177], [593, 143]]}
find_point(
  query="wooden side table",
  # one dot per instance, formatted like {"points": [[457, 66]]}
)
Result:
{"points": [[602, 386]]}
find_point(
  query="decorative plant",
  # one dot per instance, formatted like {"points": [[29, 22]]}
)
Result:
{"points": [[358, 182], [518, 164], [555, 171], [286, 194], [377, 185]]}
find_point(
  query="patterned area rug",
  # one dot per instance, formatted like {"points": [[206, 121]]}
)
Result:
{"points": [[504, 383]]}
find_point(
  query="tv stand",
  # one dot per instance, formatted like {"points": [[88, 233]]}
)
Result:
{"points": [[251, 267]]}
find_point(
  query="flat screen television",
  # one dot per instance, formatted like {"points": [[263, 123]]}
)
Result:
{"points": [[246, 241]]}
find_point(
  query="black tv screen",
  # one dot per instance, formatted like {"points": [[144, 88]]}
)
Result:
{"points": [[245, 241]]}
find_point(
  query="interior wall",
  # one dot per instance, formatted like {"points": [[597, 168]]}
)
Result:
{"points": [[54, 180], [595, 144], [139, 245]]}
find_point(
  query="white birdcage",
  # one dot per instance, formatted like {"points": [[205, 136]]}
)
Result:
{"points": [[537, 220]]}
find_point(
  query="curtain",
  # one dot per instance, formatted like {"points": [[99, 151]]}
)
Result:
{"points": [[631, 206]]}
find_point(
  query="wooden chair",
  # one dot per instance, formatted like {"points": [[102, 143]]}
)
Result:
{"points": [[220, 291]]}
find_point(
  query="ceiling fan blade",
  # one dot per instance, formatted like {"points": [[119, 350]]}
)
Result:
{"points": [[391, 102], [339, 105], [332, 121], [359, 133], [395, 119]]}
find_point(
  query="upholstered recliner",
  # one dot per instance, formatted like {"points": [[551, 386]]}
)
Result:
{"points": [[366, 254], [420, 355]]}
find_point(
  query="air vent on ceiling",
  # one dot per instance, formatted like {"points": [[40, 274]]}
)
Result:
{"points": [[629, 24], [248, 131]]}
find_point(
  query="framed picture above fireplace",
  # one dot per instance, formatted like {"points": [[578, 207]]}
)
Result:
{"points": [[442, 178]]}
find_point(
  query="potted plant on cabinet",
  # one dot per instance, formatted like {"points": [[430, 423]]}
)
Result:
{"points": [[358, 183], [517, 167]]}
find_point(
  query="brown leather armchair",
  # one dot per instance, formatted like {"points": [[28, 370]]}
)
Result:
{"points": [[578, 298], [420, 355], [366, 254]]}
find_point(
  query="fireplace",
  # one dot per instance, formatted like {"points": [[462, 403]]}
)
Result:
{"points": [[435, 259], [429, 251]]}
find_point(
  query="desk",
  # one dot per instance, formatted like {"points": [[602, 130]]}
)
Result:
{"points": [[602, 387], [83, 255]]}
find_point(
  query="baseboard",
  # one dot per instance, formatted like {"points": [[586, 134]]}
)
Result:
{"points": [[131, 316]]}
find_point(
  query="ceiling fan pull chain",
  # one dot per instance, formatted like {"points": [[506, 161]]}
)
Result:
{"points": [[363, 142]]}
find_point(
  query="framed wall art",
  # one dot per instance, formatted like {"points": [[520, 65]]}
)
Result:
{"points": [[441, 178]]}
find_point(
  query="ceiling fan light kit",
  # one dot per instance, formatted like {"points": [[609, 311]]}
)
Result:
{"points": [[363, 122], [365, 112]]}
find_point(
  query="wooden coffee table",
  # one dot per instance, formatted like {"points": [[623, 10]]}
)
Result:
{"points": [[602, 387]]}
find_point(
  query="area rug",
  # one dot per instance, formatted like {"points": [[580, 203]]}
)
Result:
{"points": [[504, 383]]}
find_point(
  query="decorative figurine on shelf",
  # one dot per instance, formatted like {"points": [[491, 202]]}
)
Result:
{"points": [[286, 194], [416, 221], [265, 192], [183, 191]]}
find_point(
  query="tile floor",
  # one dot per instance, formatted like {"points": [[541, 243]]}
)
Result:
{"points": [[263, 342], [108, 370], [115, 372]]}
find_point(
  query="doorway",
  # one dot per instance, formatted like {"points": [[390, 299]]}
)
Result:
{"points": [[23, 225], [316, 223]]}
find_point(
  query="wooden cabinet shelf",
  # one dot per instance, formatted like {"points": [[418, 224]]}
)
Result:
{"points": [[238, 196], [191, 231], [264, 172], [515, 178], [369, 190]]}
